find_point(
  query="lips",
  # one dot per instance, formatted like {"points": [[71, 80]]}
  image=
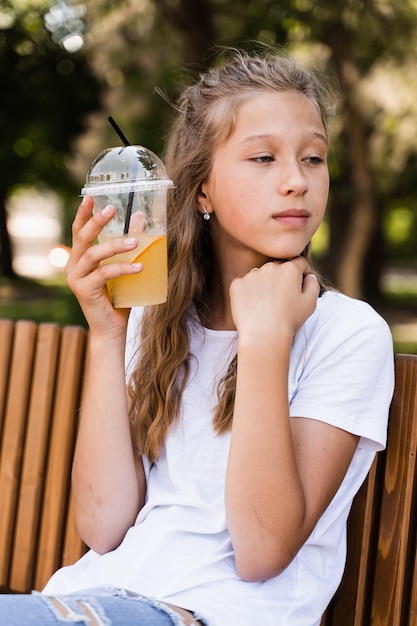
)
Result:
{"points": [[292, 217]]}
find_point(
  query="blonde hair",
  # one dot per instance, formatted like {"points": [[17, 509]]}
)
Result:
{"points": [[205, 117]]}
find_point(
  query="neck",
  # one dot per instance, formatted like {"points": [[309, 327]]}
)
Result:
{"points": [[216, 313]]}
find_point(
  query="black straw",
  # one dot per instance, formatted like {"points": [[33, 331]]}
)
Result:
{"points": [[131, 193], [118, 131]]}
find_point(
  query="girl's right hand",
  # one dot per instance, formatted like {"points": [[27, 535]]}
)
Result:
{"points": [[282, 295], [86, 275]]}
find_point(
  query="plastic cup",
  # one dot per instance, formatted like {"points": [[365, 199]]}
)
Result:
{"points": [[133, 179]]}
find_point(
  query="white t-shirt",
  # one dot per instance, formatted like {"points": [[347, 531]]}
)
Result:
{"points": [[179, 550]]}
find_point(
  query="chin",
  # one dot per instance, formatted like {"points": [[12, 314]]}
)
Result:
{"points": [[288, 256]]}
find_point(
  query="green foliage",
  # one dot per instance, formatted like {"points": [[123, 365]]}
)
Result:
{"points": [[400, 229], [45, 97]]}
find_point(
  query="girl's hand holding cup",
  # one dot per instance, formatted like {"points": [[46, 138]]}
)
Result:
{"points": [[124, 210], [86, 273], [133, 181]]}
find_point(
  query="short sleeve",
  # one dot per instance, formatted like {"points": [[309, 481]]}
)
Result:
{"points": [[343, 369]]}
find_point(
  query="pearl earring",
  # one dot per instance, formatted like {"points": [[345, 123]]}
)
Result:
{"points": [[206, 214]]}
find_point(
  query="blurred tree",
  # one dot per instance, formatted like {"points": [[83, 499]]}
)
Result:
{"points": [[349, 40], [361, 36], [45, 96], [140, 51], [195, 21]]}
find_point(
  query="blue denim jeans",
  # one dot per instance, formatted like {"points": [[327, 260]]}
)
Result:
{"points": [[103, 607]]}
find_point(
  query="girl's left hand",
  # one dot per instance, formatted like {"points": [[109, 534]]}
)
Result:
{"points": [[276, 298]]}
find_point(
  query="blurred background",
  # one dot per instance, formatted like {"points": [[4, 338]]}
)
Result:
{"points": [[66, 66]]}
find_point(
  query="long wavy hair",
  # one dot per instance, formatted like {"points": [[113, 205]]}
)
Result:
{"points": [[206, 113]]}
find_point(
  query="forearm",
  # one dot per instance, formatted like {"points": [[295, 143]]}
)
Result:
{"points": [[264, 495], [107, 482]]}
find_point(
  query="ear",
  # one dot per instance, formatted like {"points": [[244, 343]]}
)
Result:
{"points": [[201, 201]]}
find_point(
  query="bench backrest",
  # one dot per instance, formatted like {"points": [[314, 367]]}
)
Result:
{"points": [[41, 378], [41, 374], [379, 587]]}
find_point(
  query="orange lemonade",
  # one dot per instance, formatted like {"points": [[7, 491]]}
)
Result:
{"points": [[150, 285]]}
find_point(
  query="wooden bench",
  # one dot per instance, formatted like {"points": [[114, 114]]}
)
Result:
{"points": [[41, 379], [41, 375]]}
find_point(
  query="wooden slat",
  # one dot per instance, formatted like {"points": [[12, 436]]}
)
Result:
{"points": [[19, 385], [362, 585], [74, 547], [351, 603], [34, 460], [6, 339], [396, 544], [55, 506]]}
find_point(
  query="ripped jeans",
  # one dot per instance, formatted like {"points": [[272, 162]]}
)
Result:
{"points": [[92, 607]]}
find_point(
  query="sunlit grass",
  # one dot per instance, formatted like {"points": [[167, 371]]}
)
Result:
{"points": [[399, 307], [42, 301]]}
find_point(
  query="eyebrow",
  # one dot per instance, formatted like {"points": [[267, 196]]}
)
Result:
{"points": [[253, 138]]}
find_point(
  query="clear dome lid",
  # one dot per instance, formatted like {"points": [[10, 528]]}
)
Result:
{"points": [[125, 169]]}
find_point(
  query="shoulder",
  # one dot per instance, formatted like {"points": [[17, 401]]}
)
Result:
{"points": [[341, 316], [342, 368], [345, 336], [334, 304]]}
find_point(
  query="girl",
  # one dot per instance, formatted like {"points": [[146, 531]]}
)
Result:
{"points": [[217, 490]]}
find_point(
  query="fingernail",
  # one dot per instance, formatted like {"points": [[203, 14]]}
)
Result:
{"points": [[313, 276], [84, 200], [130, 241], [137, 266], [106, 210]]}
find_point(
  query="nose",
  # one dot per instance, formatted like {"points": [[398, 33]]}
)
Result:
{"points": [[292, 179]]}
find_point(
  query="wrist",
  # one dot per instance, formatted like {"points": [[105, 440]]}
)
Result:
{"points": [[109, 342], [259, 340]]}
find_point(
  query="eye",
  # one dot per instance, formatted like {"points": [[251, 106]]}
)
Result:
{"points": [[263, 158], [314, 160]]}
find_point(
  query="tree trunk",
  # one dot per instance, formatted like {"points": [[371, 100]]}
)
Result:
{"points": [[194, 19], [363, 211], [6, 268]]}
